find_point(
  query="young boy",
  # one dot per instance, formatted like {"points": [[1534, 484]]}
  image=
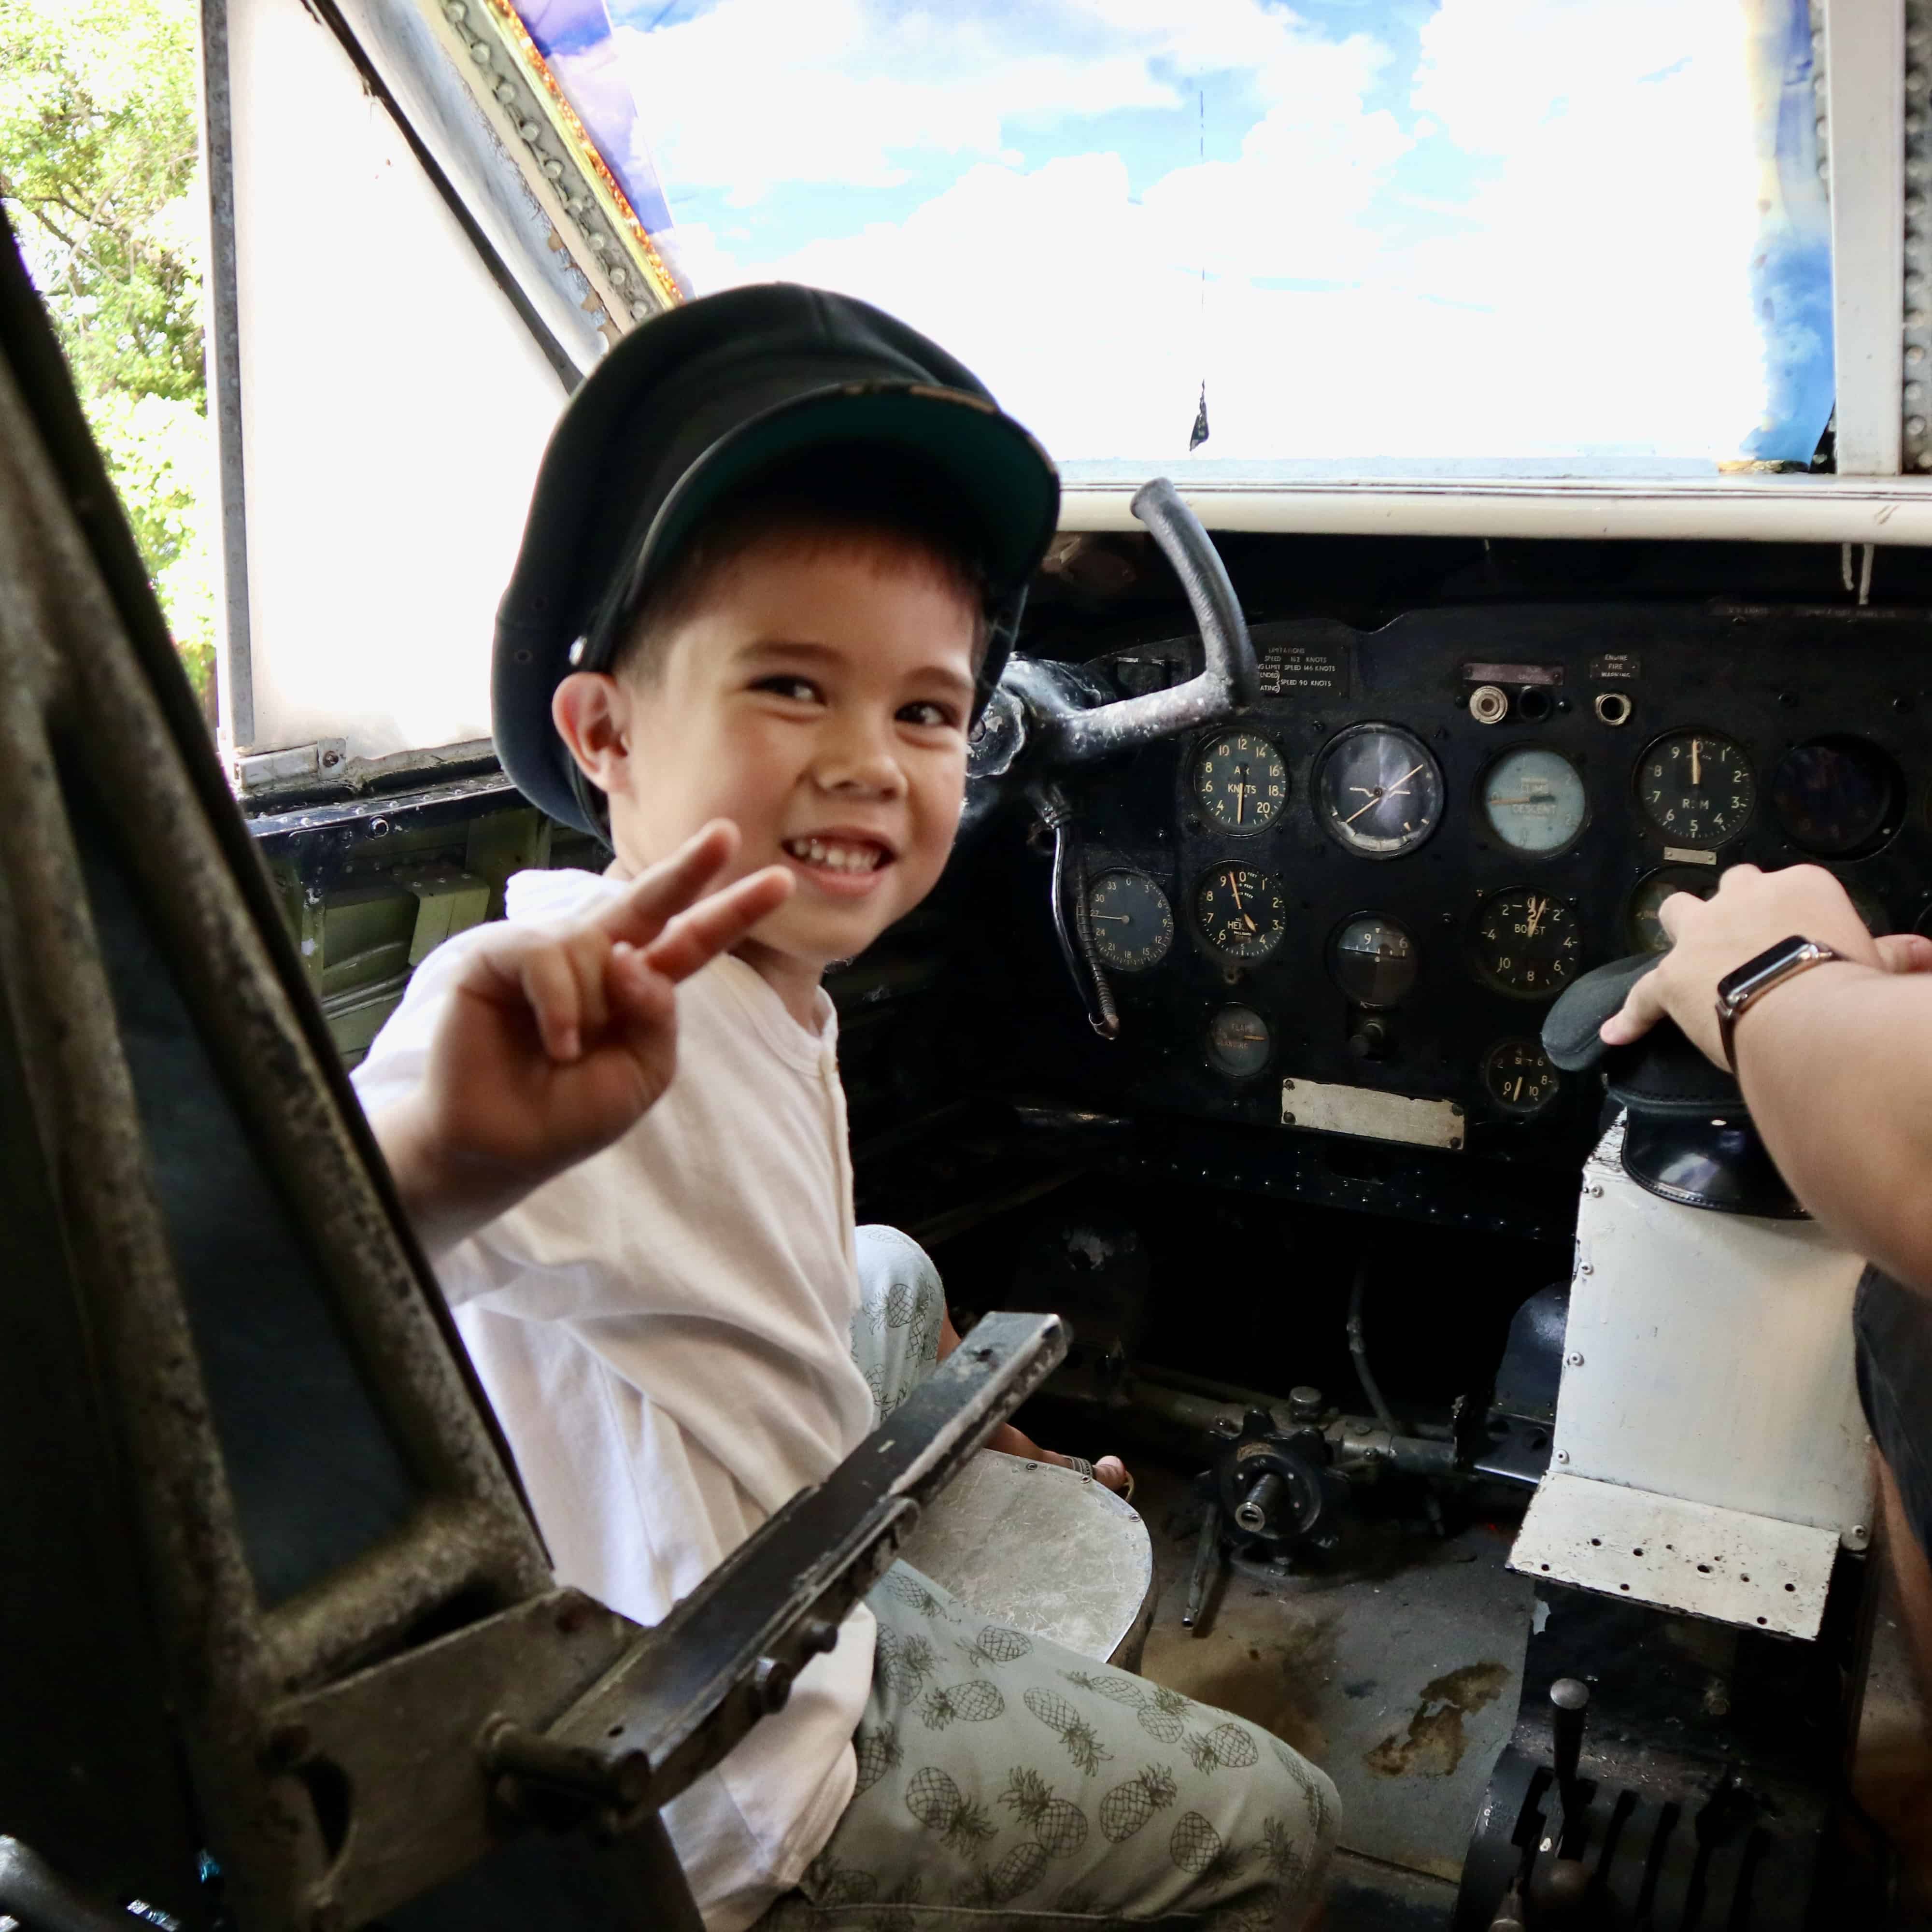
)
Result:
{"points": [[775, 555]]}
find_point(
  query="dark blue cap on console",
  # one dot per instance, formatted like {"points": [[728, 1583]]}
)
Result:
{"points": [[694, 406]]}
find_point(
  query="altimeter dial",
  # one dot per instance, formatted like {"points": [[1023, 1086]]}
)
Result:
{"points": [[1242, 912]]}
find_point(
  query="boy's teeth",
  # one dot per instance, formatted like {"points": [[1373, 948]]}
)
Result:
{"points": [[838, 857]]}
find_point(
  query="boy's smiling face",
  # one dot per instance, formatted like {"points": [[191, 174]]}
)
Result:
{"points": [[818, 694]]}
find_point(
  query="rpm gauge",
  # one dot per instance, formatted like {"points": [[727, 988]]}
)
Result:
{"points": [[1534, 800], [1696, 787], [1378, 791], [1528, 943], [1373, 961], [1518, 1078], [1242, 912], [1133, 925], [1240, 781]]}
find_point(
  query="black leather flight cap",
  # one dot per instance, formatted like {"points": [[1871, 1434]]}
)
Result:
{"points": [[1661, 1073], [694, 404], [1687, 1135]]}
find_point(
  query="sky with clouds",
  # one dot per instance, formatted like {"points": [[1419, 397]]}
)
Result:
{"points": [[1373, 228]]}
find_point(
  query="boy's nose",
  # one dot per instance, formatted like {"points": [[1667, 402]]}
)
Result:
{"points": [[858, 759]]}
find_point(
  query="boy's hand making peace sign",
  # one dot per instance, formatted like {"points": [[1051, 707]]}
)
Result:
{"points": [[556, 1042]]}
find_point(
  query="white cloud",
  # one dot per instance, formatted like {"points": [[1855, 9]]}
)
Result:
{"points": [[1592, 290]]}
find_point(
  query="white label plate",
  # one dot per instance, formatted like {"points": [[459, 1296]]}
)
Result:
{"points": [[1326, 1108]]}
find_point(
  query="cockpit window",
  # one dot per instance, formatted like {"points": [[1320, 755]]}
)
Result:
{"points": [[1359, 237]]}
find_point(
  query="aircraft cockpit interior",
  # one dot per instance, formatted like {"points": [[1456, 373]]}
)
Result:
{"points": [[1493, 462]]}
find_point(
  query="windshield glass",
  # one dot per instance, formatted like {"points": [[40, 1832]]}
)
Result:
{"points": [[1357, 236]]}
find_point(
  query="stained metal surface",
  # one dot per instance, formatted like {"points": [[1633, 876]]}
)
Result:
{"points": [[1708, 1357]]}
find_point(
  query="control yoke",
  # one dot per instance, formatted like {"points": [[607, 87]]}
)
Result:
{"points": [[1227, 681], [1047, 718]]}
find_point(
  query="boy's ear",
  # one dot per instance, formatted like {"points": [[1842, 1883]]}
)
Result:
{"points": [[591, 712]]}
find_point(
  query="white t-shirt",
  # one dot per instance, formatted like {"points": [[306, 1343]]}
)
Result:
{"points": [[664, 1333]]}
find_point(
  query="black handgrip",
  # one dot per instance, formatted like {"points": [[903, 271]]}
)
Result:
{"points": [[1229, 678]]}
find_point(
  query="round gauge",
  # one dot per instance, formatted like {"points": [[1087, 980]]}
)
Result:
{"points": [[1242, 912], [1238, 1042], [1518, 1078], [1240, 781], [1527, 942], [1378, 791], [1696, 787], [1534, 800], [1836, 796], [1373, 961], [1646, 928], [1133, 925]]}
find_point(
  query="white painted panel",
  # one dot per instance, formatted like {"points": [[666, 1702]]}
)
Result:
{"points": [[1708, 1357], [393, 409], [1864, 89], [1328, 1107], [1740, 509], [1750, 1570]]}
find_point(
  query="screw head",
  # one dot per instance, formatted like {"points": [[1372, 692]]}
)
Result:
{"points": [[1575, 1360], [1585, 1267], [1562, 1455]]}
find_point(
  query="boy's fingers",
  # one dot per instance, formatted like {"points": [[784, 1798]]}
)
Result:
{"points": [[551, 985], [714, 925], [659, 894]]}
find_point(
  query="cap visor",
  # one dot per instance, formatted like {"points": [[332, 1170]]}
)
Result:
{"points": [[1005, 484]]}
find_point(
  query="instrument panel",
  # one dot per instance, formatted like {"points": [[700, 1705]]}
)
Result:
{"points": [[1383, 873]]}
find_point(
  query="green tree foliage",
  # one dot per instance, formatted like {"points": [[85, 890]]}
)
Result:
{"points": [[99, 175]]}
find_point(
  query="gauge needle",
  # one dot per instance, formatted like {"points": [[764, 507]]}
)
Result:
{"points": [[1538, 907], [1697, 770], [1113, 918], [1380, 793]]}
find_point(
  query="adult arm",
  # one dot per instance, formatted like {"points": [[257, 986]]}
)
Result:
{"points": [[1835, 1064]]}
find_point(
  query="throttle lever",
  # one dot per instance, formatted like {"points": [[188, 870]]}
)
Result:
{"points": [[1229, 678], [1071, 920]]}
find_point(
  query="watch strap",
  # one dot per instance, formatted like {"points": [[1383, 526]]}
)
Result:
{"points": [[1740, 989]]}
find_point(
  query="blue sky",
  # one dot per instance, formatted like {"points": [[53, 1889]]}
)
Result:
{"points": [[1373, 228]]}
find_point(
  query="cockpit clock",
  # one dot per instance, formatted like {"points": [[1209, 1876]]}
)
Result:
{"points": [[1240, 781], [1696, 787]]}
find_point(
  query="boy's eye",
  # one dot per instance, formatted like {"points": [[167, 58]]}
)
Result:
{"points": [[925, 711], [784, 684]]}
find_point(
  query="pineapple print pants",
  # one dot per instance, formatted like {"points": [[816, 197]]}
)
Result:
{"points": [[1006, 1781]]}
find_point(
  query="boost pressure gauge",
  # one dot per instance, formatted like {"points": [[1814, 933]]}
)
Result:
{"points": [[1696, 787], [1240, 781], [1527, 942]]}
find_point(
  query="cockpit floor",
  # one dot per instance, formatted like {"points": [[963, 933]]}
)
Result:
{"points": [[1398, 1673]]}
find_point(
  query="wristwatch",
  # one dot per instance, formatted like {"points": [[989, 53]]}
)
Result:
{"points": [[1739, 988]]}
